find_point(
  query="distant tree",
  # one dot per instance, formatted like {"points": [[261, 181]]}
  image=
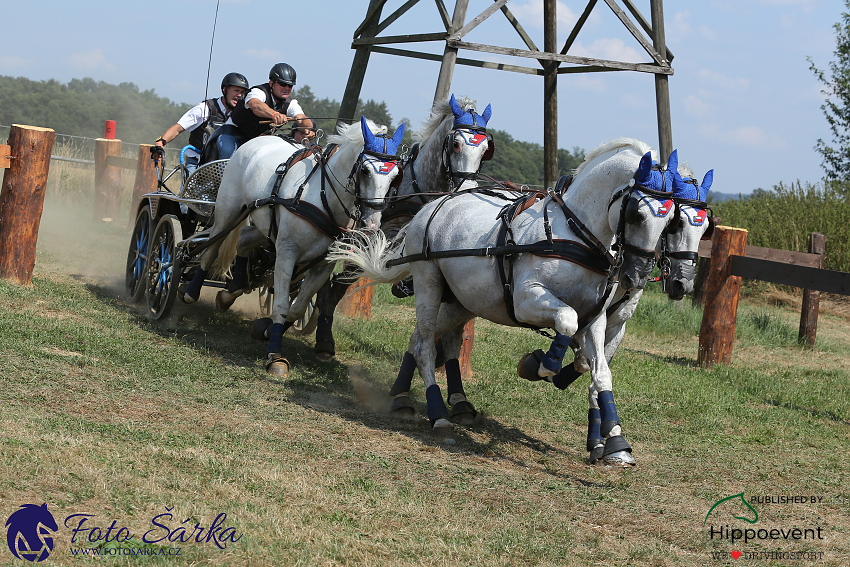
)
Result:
{"points": [[836, 109]]}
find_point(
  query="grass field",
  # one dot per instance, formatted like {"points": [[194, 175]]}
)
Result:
{"points": [[104, 412]]}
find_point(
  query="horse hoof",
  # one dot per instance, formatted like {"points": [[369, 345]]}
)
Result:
{"points": [[619, 459], [596, 454], [222, 304], [260, 329], [277, 365], [324, 350], [442, 424], [402, 407], [463, 412], [528, 365], [185, 298]]}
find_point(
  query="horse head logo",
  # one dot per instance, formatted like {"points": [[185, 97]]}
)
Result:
{"points": [[740, 496], [29, 532]]}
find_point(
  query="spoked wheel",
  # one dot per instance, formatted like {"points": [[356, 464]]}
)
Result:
{"points": [[134, 276], [266, 294], [163, 271]]}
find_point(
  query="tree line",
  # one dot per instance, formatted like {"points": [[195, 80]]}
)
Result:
{"points": [[81, 107]]}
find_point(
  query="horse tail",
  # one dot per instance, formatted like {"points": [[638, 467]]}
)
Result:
{"points": [[370, 251], [226, 253]]}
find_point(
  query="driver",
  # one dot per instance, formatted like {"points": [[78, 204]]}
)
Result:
{"points": [[264, 105], [212, 112]]}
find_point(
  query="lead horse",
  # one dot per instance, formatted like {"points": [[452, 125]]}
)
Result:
{"points": [[450, 148], [677, 252], [298, 203], [554, 264]]}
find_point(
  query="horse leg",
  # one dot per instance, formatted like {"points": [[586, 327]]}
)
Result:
{"points": [[250, 238], [616, 450], [192, 291], [327, 298], [450, 324], [536, 305], [276, 363], [424, 351], [314, 280], [595, 442]]}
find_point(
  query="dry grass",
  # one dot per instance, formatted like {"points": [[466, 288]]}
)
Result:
{"points": [[105, 413]]}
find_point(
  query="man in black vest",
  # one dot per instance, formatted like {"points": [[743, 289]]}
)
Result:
{"points": [[264, 106], [204, 118]]}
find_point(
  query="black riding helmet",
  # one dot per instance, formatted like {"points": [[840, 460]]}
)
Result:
{"points": [[283, 73], [234, 80]]}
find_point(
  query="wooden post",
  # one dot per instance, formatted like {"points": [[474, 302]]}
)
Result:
{"points": [[358, 67], [107, 180], [662, 87], [550, 96], [717, 332], [466, 349], [358, 302], [22, 199], [145, 180], [811, 298], [447, 68]]}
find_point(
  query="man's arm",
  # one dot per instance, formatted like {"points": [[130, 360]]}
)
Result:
{"points": [[263, 110], [169, 135]]}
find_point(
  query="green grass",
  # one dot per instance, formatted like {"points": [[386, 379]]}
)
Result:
{"points": [[106, 412]]}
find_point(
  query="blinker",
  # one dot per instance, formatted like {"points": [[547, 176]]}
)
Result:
{"points": [[632, 208]]}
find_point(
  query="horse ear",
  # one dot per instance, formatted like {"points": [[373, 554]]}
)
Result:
{"points": [[673, 161], [368, 136], [486, 115], [645, 168], [707, 181], [398, 136], [456, 109]]}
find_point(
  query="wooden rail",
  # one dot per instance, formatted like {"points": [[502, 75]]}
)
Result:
{"points": [[730, 263]]}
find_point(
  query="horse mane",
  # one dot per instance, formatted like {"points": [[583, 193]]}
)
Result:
{"points": [[439, 112], [350, 137], [623, 142]]}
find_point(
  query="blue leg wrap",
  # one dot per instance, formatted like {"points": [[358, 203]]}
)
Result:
{"points": [[453, 379], [194, 288], [436, 406], [276, 332], [594, 424], [240, 274], [566, 376], [553, 359], [405, 375], [608, 412]]}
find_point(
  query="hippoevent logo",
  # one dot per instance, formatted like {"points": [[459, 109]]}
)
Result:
{"points": [[29, 532], [738, 507]]}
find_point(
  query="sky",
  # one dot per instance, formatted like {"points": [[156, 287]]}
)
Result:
{"points": [[743, 99]]}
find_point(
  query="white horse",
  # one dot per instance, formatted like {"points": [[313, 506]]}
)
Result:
{"points": [[567, 256], [677, 252], [450, 148], [300, 206]]}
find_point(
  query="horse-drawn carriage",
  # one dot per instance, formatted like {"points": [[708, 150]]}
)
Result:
{"points": [[172, 229]]}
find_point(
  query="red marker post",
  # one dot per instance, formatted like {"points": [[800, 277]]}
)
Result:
{"points": [[109, 130]]}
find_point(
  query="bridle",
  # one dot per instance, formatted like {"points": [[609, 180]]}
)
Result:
{"points": [[455, 179], [363, 161]]}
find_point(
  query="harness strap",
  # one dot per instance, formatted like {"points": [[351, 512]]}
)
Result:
{"points": [[582, 231]]}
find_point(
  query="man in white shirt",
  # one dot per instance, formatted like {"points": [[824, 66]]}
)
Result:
{"points": [[204, 118]]}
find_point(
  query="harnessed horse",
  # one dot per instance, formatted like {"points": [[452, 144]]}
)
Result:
{"points": [[677, 251], [297, 207], [564, 258], [450, 148]]}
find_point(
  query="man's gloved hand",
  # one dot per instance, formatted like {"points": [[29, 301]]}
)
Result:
{"points": [[157, 153]]}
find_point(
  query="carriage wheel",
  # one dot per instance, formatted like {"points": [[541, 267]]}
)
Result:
{"points": [[137, 256], [163, 271]]}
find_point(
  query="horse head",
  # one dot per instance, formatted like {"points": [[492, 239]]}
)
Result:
{"points": [[468, 144], [376, 173], [644, 215], [690, 224]]}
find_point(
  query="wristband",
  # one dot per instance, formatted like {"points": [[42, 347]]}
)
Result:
{"points": [[160, 139]]}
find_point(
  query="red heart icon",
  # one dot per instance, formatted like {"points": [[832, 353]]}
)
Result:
{"points": [[736, 554]]}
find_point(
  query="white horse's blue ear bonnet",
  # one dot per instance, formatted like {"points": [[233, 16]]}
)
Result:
{"points": [[650, 175], [469, 117], [380, 144], [687, 188]]}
